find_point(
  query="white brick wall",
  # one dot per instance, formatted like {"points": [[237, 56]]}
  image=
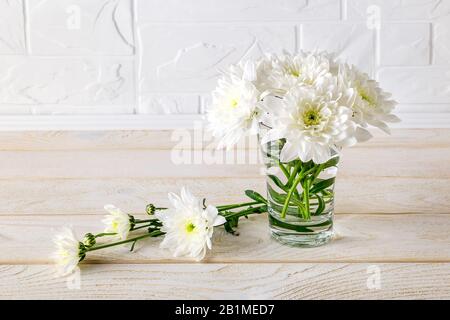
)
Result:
{"points": [[110, 57]]}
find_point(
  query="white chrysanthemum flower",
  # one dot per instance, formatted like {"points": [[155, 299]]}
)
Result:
{"points": [[303, 69], [69, 251], [234, 112], [372, 106], [117, 222], [312, 124], [188, 227]]}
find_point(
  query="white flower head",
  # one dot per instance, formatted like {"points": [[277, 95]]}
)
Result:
{"points": [[117, 222], [234, 112], [303, 69], [312, 125], [372, 106], [188, 226], [310, 99], [69, 251]]}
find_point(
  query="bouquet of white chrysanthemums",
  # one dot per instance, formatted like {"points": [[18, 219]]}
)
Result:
{"points": [[311, 100], [305, 108]]}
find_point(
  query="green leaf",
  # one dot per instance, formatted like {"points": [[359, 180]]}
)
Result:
{"points": [[275, 196], [278, 182], [281, 198], [132, 246], [331, 163], [302, 211], [298, 228], [321, 205], [229, 228], [255, 196], [322, 185]]}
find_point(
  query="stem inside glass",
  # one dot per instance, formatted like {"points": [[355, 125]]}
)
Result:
{"points": [[300, 194]]}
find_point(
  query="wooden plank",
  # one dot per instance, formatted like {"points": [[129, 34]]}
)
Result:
{"points": [[360, 238], [87, 196], [85, 140], [225, 281], [360, 162], [114, 163], [167, 139]]}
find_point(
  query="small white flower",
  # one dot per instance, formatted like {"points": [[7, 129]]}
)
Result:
{"points": [[117, 222], [188, 227], [234, 112], [69, 251], [372, 106], [312, 124]]}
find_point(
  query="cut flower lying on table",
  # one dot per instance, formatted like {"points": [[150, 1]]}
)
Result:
{"points": [[187, 227]]}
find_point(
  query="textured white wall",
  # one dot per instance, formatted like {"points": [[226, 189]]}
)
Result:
{"points": [[161, 56]]}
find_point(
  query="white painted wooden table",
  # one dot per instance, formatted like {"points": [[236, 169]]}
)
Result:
{"points": [[393, 214]]}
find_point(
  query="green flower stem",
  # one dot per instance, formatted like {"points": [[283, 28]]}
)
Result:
{"points": [[293, 182], [105, 234], [155, 233], [289, 195], [235, 206], [294, 173], [318, 169], [283, 168], [306, 186], [137, 221], [141, 227], [243, 213], [296, 168]]}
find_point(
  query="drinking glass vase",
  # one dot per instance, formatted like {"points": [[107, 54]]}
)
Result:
{"points": [[300, 197]]}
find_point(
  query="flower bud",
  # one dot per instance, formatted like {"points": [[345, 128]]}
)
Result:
{"points": [[89, 240], [150, 209], [132, 221], [82, 249]]}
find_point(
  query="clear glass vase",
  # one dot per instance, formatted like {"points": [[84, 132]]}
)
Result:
{"points": [[300, 198]]}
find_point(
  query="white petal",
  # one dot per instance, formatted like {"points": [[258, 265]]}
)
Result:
{"points": [[347, 142], [210, 213], [362, 135], [249, 71], [272, 104], [187, 197], [175, 200], [272, 135], [321, 154], [112, 209], [305, 150], [219, 221], [328, 173], [254, 128], [289, 152], [201, 255], [391, 118], [381, 125]]}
